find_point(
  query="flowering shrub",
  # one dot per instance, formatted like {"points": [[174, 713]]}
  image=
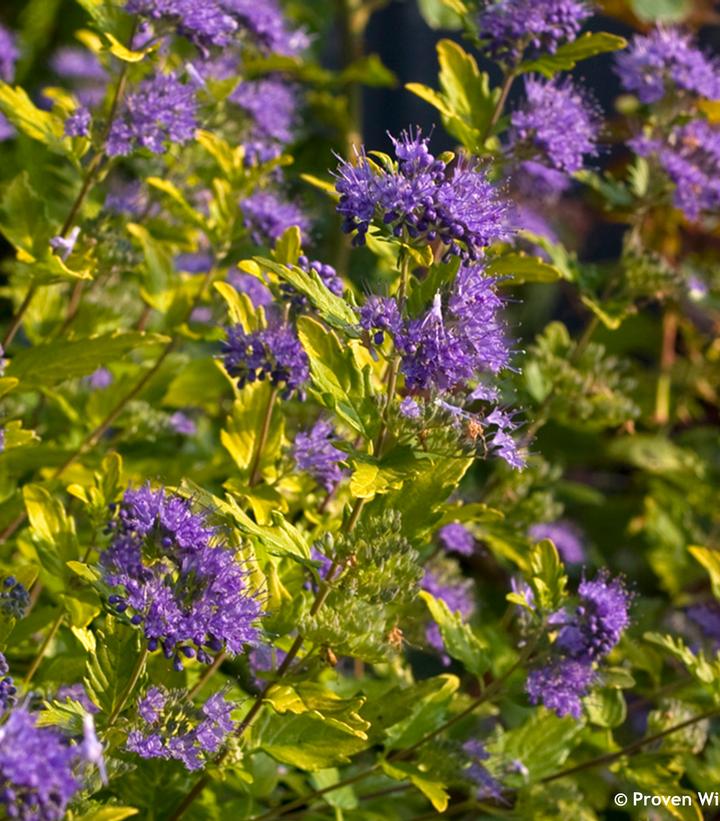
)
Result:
{"points": [[346, 483]]}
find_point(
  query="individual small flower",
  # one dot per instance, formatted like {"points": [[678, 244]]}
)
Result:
{"points": [[380, 315], [14, 598], [182, 424], [64, 246], [78, 123], [315, 453], [560, 685], [456, 538], [83, 71], [92, 749], [555, 129], [268, 216], [410, 409], [421, 199], [599, 620], [99, 380], [273, 353], [173, 729], [36, 769], [514, 26], [7, 687], [446, 583], [664, 61], [477, 773], [174, 577], [160, 111], [690, 156], [566, 537]]}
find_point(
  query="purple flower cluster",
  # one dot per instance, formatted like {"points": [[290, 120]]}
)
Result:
{"points": [[457, 593], [456, 538], [326, 272], [161, 110], [78, 123], [566, 537], [219, 22], [448, 347], [690, 157], [268, 215], [422, 199], [553, 132], [493, 429], [173, 730], [84, 72], [176, 579], [314, 452], [14, 598], [258, 292], [9, 55], [36, 769], [664, 61], [514, 26], [585, 637], [477, 773], [380, 315], [271, 104], [273, 353], [7, 687]]}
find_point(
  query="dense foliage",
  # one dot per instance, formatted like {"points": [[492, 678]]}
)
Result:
{"points": [[345, 483]]}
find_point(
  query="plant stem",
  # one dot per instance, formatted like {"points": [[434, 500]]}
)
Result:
{"points": [[667, 361], [16, 321], [608, 758], [207, 675], [255, 474], [137, 672], [508, 81], [43, 648]]}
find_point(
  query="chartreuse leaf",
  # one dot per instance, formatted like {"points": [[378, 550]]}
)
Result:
{"points": [[109, 672], [242, 428], [441, 14], [568, 55], [697, 664], [52, 530], [519, 268], [542, 744], [50, 364], [428, 701], [317, 700], [108, 16], [176, 201], [305, 741], [37, 124], [710, 560], [158, 287], [548, 580], [459, 640], [332, 308], [434, 791], [340, 381], [605, 707], [465, 101], [343, 798], [107, 814]]}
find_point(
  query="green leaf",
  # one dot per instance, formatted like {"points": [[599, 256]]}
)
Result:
{"points": [[459, 640], [606, 707], [52, 363], [705, 671], [521, 268], [543, 744], [52, 530], [332, 308], [429, 701], [242, 429], [306, 742], [662, 11], [326, 705], [440, 14], [433, 790], [568, 55], [341, 382], [158, 286], [107, 814], [109, 672], [343, 798]]}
